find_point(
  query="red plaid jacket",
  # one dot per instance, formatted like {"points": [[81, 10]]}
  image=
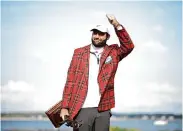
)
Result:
{"points": [[76, 86]]}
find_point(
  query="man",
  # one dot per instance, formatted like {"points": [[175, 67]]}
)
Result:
{"points": [[88, 95]]}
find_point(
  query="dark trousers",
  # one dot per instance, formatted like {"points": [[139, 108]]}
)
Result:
{"points": [[92, 120]]}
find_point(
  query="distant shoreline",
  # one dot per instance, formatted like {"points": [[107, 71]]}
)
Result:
{"points": [[24, 119], [46, 119]]}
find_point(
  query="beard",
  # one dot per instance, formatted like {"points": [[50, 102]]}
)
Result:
{"points": [[100, 44]]}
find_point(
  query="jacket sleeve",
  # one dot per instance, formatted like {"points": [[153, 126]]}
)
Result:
{"points": [[126, 44], [69, 84]]}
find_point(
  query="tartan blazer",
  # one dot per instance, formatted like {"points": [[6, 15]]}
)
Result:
{"points": [[75, 90]]}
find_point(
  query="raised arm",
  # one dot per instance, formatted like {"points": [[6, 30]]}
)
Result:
{"points": [[126, 44]]}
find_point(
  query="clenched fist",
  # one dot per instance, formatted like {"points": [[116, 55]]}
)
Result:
{"points": [[64, 112], [112, 20]]}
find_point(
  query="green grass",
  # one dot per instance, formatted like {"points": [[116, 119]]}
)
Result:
{"points": [[132, 129], [122, 129]]}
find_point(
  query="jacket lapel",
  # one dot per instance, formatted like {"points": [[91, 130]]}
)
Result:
{"points": [[86, 56], [104, 56]]}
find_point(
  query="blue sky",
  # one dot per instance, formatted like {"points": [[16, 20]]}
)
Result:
{"points": [[38, 39]]}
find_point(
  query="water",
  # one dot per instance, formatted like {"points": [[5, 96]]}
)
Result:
{"points": [[142, 125], [147, 125]]}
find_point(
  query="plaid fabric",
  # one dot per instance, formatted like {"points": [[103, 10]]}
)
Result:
{"points": [[76, 86]]}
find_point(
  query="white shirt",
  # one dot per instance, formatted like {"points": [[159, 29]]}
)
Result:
{"points": [[93, 95]]}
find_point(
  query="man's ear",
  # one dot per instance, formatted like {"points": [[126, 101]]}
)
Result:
{"points": [[108, 36]]}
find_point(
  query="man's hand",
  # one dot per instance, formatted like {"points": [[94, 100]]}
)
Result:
{"points": [[64, 112], [113, 20]]}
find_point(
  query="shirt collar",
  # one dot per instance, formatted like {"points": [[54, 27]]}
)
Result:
{"points": [[96, 49]]}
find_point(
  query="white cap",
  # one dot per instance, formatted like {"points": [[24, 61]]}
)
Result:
{"points": [[101, 28]]}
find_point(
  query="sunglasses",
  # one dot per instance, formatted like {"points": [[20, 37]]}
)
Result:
{"points": [[71, 123]]}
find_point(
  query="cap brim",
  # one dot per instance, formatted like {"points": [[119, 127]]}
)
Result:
{"points": [[98, 30]]}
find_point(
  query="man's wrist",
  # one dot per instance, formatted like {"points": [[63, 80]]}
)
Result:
{"points": [[118, 26]]}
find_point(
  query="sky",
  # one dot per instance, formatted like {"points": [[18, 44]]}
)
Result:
{"points": [[39, 38]]}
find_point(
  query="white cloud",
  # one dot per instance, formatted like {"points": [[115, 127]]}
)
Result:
{"points": [[17, 96], [19, 86], [129, 97], [21, 96], [146, 97], [154, 45], [158, 28]]}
